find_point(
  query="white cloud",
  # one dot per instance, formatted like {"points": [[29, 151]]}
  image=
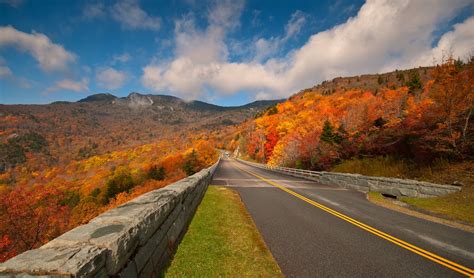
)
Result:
{"points": [[49, 55], [110, 78], [384, 35], [70, 85], [131, 16], [459, 42], [293, 28]]}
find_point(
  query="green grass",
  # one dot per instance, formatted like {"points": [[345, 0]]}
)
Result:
{"points": [[222, 240]]}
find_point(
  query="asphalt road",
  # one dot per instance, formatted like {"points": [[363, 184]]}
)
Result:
{"points": [[308, 241]]}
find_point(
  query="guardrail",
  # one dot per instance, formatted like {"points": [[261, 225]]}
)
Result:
{"points": [[390, 186], [136, 239]]}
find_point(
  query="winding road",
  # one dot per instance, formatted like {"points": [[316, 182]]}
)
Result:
{"points": [[316, 230]]}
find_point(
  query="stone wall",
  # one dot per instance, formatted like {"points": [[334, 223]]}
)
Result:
{"points": [[136, 239], [391, 186]]}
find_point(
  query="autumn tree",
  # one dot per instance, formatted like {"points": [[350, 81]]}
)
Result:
{"points": [[453, 94], [31, 217]]}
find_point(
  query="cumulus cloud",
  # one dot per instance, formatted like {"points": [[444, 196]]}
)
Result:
{"points": [[49, 55], [70, 85], [110, 78], [131, 16], [384, 35], [459, 42]]}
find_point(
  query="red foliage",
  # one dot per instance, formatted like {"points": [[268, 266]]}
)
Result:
{"points": [[30, 218]]}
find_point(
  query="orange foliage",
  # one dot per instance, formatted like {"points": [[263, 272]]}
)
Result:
{"points": [[419, 125]]}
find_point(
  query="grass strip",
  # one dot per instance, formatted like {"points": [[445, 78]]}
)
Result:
{"points": [[222, 240]]}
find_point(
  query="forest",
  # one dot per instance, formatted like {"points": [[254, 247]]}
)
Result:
{"points": [[46, 203], [418, 116]]}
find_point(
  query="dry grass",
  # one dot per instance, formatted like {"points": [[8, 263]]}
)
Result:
{"points": [[440, 171], [222, 241]]}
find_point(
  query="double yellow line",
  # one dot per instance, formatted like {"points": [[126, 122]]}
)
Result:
{"points": [[426, 254]]}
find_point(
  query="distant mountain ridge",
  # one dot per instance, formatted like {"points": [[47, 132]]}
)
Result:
{"points": [[141, 100], [103, 122]]}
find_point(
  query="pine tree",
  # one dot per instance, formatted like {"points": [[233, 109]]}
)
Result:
{"points": [[328, 135]]}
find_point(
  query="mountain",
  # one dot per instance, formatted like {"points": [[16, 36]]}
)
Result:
{"points": [[99, 97], [103, 122], [136, 100]]}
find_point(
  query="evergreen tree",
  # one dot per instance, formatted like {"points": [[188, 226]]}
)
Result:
{"points": [[190, 166], [328, 135], [121, 181], [380, 80], [415, 82]]}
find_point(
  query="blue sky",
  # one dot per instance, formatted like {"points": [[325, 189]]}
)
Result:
{"points": [[223, 52]]}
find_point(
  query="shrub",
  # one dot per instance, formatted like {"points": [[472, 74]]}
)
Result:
{"points": [[121, 181], [156, 173]]}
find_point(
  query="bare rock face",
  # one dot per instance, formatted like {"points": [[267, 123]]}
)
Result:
{"points": [[136, 100]]}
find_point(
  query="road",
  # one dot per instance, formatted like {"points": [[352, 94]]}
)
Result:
{"points": [[316, 230]]}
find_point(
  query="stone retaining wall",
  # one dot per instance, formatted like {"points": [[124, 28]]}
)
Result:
{"points": [[390, 186], [136, 239]]}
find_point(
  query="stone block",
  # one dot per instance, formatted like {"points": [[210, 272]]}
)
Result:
{"points": [[130, 271], [101, 274], [148, 271], [160, 250], [81, 260], [120, 240]]}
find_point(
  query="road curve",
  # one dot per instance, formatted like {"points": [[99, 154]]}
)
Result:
{"points": [[312, 230]]}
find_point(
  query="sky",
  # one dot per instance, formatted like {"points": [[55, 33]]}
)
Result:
{"points": [[223, 52]]}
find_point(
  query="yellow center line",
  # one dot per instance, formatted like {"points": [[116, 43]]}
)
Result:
{"points": [[426, 254]]}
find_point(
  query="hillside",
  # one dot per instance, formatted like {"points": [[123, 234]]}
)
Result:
{"points": [[418, 117], [102, 122], [411, 78]]}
